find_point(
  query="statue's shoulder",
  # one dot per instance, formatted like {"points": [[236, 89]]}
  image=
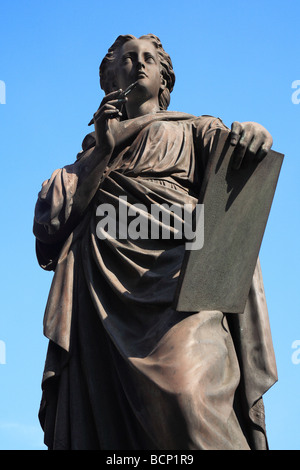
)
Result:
{"points": [[203, 120], [182, 116], [206, 122], [89, 141]]}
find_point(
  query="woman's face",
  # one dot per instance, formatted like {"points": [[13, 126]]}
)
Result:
{"points": [[137, 60]]}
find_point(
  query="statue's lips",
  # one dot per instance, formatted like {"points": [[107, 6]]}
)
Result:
{"points": [[141, 75]]}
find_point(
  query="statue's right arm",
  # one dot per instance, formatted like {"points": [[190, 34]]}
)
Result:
{"points": [[65, 197]]}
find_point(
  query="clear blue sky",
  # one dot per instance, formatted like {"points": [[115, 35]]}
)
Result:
{"points": [[232, 59]]}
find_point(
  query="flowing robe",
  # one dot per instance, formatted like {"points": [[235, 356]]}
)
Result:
{"points": [[124, 370]]}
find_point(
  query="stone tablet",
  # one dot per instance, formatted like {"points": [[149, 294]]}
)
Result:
{"points": [[236, 208]]}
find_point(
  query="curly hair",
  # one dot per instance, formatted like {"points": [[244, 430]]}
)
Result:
{"points": [[107, 74]]}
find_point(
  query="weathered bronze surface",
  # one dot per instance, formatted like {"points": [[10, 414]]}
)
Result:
{"points": [[124, 369]]}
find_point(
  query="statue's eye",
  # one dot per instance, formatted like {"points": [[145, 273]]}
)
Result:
{"points": [[126, 59], [149, 59]]}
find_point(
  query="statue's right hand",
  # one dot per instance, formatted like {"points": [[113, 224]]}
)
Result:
{"points": [[106, 119]]}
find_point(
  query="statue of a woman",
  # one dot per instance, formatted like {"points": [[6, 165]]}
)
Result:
{"points": [[124, 370]]}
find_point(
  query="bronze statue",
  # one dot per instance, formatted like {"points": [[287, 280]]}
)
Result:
{"points": [[124, 369]]}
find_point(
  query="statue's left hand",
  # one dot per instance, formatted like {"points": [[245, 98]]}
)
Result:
{"points": [[251, 140]]}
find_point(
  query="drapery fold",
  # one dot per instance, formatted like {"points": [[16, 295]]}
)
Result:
{"points": [[124, 370]]}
